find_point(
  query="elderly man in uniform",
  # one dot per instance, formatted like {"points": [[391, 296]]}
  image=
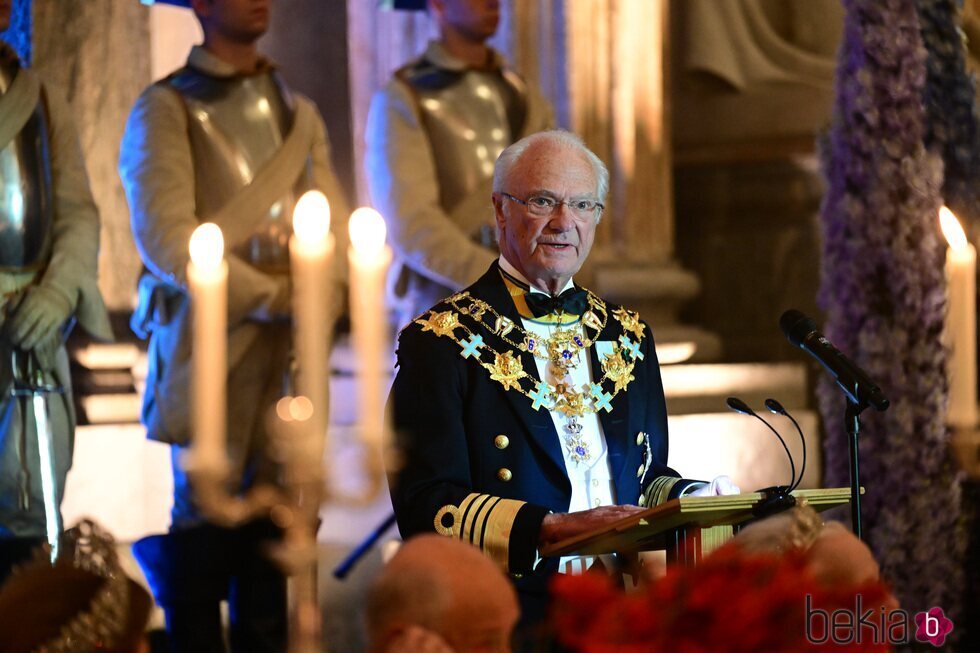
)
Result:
{"points": [[527, 409], [221, 140], [49, 242], [432, 136]]}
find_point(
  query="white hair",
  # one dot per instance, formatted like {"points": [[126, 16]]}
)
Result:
{"points": [[510, 156]]}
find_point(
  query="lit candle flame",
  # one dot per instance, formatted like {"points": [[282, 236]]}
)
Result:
{"points": [[367, 231], [311, 218], [952, 230], [207, 247]]}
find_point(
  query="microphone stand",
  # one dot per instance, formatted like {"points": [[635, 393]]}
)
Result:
{"points": [[860, 391], [852, 425]]}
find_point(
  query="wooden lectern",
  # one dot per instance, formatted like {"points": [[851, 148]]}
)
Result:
{"points": [[688, 528]]}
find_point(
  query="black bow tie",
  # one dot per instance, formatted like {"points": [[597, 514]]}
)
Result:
{"points": [[572, 301]]}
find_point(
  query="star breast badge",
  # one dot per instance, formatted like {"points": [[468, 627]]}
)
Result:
{"points": [[506, 370], [442, 324], [569, 402], [617, 369]]}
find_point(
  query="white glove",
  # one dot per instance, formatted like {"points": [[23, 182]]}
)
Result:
{"points": [[720, 485]]}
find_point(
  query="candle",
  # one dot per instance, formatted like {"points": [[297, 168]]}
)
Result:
{"points": [[311, 254], [369, 260], [961, 323], [291, 428], [207, 280]]}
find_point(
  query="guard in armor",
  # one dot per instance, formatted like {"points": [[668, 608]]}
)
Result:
{"points": [[432, 136], [221, 140], [49, 242]]}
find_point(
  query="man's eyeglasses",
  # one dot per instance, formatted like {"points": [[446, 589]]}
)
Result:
{"points": [[543, 206]]}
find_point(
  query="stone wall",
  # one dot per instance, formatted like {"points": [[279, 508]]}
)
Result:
{"points": [[308, 40], [750, 232]]}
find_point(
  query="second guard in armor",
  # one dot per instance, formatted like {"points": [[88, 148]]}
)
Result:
{"points": [[433, 135], [221, 140], [49, 241]]}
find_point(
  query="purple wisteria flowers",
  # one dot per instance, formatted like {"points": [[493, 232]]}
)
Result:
{"points": [[952, 128], [883, 290]]}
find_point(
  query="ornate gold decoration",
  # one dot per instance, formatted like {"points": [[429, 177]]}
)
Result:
{"points": [[590, 319], [617, 369], [630, 321], [569, 401], [503, 325], [506, 370], [594, 319], [562, 349], [441, 528], [441, 324], [475, 317]]}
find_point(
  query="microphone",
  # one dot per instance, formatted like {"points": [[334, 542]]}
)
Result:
{"points": [[777, 408], [802, 332], [740, 406], [776, 498]]}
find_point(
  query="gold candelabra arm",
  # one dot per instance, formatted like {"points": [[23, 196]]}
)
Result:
{"points": [[209, 480]]}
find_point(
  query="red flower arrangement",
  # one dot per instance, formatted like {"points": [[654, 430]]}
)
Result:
{"points": [[732, 603]]}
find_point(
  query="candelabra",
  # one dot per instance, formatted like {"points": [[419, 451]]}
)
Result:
{"points": [[298, 425]]}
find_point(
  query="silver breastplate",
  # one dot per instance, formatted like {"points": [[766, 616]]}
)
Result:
{"points": [[25, 189], [236, 125], [470, 118]]}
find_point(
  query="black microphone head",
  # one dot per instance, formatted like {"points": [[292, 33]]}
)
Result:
{"points": [[796, 326], [775, 407], [739, 406]]}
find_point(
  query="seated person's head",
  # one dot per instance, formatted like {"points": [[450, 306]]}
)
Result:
{"points": [[834, 554], [437, 588], [82, 603]]}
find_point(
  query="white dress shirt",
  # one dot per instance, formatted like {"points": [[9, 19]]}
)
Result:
{"points": [[591, 479]]}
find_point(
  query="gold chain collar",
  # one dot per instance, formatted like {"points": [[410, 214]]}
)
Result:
{"points": [[508, 369]]}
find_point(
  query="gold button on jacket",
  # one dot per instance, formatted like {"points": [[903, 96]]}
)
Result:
{"points": [[504, 474], [501, 441]]}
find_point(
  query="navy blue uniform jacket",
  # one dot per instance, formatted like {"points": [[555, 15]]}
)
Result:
{"points": [[447, 415]]}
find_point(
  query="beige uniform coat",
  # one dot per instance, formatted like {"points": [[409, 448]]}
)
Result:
{"points": [[72, 272], [435, 254], [157, 168]]}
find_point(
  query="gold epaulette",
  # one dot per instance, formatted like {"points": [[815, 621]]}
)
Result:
{"points": [[483, 520]]}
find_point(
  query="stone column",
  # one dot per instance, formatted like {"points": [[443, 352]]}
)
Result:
{"points": [[378, 41], [307, 40], [95, 52], [605, 65]]}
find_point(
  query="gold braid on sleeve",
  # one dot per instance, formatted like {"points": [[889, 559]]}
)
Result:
{"points": [[483, 520]]}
